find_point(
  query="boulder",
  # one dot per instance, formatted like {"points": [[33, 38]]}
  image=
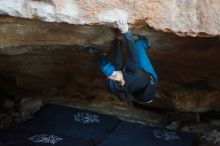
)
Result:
{"points": [[8, 104], [29, 106]]}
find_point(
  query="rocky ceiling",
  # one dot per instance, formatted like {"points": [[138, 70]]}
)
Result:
{"points": [[184, 17]]}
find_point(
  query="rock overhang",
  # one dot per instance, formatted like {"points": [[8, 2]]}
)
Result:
{"points": [[183, 17]]}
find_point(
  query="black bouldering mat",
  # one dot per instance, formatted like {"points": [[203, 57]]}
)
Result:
{"points": [[69, 121], [21, 138], [132, 134], [71, 126]]}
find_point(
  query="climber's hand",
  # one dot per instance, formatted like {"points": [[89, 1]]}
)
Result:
{"points": [[122, 25]]}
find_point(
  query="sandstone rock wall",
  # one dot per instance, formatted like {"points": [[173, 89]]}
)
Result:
{"points": [[16, 32], [184, 17]]}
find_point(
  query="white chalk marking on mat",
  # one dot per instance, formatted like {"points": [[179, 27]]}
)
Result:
{"points": [[165, 135], [45, 138], [86, 118]]}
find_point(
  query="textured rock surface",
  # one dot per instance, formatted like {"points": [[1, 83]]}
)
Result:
{"points": [[16, 32], [29, 106], [184, 17], [50, 59]]}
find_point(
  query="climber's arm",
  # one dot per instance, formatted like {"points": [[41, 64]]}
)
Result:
{"points": [[130, 42]]}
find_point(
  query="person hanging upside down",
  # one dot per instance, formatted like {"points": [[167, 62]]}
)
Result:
{"points": [[137, 79]]}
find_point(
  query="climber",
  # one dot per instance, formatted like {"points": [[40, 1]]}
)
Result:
{"points": [[137, 79]]}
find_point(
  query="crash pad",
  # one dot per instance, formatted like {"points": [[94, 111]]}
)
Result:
{"points": [[1, 143], [70, 121], [133, 134], [72, 126]]}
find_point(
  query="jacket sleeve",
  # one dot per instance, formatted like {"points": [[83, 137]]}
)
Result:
{"points": [[106, 66], [132, 54]]}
